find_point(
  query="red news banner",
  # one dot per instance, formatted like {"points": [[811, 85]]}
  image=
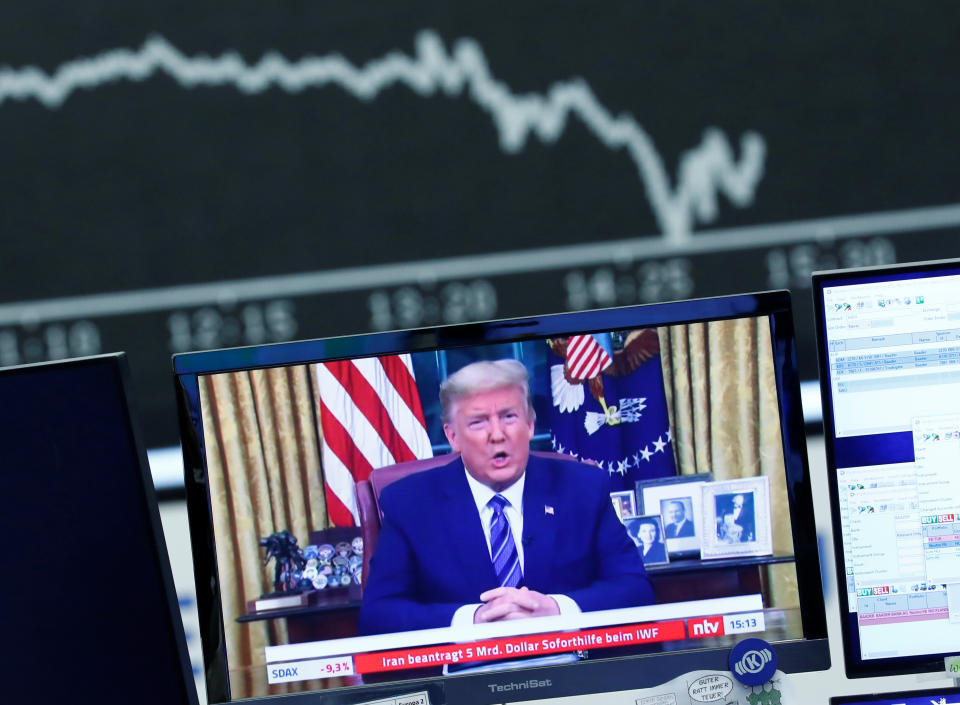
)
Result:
{"points": [[533, 645]]}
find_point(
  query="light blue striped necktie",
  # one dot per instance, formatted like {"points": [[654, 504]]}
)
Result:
{"points": [[506, 560]]}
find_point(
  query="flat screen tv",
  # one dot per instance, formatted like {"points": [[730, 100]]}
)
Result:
{"points": [[87, 602], [889, 349], [502, 511]]}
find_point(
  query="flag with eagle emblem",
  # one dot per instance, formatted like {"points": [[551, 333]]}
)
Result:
{"points": [[609, 406]]}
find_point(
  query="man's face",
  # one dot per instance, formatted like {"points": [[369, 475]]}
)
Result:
{"points": [[737, 505], [492, 430], [675, 512]]}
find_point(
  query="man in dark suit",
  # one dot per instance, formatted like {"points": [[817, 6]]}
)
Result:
{"points": [[677, 526], [497, 534]]}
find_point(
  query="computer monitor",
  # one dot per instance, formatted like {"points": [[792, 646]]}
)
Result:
{"points": [[87, 603], [938, 696], [890, 382], [665, 506]]}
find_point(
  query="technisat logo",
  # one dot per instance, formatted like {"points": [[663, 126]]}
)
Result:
{"points": [[520, 685]]}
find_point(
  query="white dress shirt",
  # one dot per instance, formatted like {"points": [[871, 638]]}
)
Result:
{"points": [[514, 513]]}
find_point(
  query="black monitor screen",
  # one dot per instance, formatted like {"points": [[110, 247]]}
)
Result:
{"points": [[889, 342], [87, 602], [563, 493]]}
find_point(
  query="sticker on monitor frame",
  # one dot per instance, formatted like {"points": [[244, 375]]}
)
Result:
{"points": [[753, 661], [694, 688], [421, 698]]}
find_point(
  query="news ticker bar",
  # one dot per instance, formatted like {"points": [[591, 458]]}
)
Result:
{"points": [[525, 627], [522, 646]]}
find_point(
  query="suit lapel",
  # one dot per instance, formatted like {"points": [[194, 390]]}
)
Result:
{"points": [[463, 531], [539, 523]]}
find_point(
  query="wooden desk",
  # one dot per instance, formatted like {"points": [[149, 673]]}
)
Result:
{"points": [[332, 616], [696, 579]]}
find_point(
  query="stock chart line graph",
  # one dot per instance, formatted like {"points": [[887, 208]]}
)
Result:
{"points": [[705, 172]]}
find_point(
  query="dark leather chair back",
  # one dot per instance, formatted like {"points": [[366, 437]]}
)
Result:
{"points": [[368, 497]]}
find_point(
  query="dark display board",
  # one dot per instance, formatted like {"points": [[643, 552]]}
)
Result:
{"points": [[181, 176]]}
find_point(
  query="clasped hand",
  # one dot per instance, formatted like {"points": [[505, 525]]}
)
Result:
{"points": [[514, 603]]}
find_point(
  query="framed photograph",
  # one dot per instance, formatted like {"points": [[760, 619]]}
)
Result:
{"points": [[677, 501], [625, 504], [647, 532], [736, 517]]}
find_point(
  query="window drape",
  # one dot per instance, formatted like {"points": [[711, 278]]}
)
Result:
{"points": [[724, 412]]}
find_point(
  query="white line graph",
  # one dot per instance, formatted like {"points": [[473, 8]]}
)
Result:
{"points": [[705, 171]]}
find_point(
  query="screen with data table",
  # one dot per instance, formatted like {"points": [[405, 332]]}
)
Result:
{"points": [[890, 375]]}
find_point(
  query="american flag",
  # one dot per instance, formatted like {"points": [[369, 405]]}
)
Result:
{"points": [[370, 416], [585, 357], [638, 446]]}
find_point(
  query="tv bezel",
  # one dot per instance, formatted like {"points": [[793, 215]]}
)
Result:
{"points": [[854, 665], [601, 675], [118, 364]]}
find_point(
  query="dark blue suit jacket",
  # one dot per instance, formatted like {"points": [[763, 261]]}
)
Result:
{"points": [[432, 557]]}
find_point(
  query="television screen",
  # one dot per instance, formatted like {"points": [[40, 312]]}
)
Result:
{"points": [[88, 609], [611, 498], [940, 696], [890, 380]]}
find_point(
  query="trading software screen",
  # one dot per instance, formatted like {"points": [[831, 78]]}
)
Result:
{"points": [[893, 359]]}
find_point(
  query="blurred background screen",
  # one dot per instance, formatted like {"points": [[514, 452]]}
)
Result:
{"points": [[183, 176]]}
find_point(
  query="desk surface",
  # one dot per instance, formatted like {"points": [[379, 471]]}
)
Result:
{"points": [[687, 565], [328, 601]]}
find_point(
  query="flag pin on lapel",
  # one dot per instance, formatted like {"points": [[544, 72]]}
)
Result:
{"points": [[547, 509]]}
